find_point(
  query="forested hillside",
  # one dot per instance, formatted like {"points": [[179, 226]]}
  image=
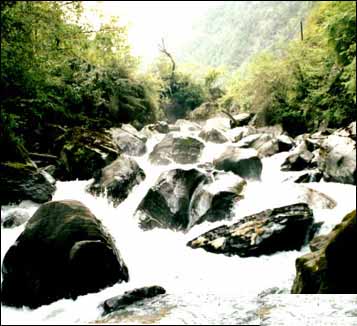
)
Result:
{"points": [[230, 34]]}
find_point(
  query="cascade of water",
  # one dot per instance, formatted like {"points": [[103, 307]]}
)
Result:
{"points": [[202, 288]]}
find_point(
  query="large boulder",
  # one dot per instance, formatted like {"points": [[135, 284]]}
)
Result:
{"points": [[330, 268], [179, 149], [242, 119], [130, 297], [242, 161], [204, 111], [166, 205], [299, 159], [338, 159], [117, 179], [63, 252], [129, 140], [84, 153], [20, 181], [187, 126], [278, 229], [215, 197], [264, 144], [236, 134], [213, 135]]}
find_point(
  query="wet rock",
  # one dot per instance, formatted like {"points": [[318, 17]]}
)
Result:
{"points": [[329, 269], [215, 197], [338, 159], [318, 242], [179, 149], [63, 252], [275, 131], [130, 297], [218, 123], [117, 179], [242, 119], [264, 144], [166, 205], [186, 126], [129, 140], [300, 159], [85, 153], [213, 135], [14, 218], [241, 161], [309, 176], [24, 182], [270, 231], [285, 143], [236, 134]]}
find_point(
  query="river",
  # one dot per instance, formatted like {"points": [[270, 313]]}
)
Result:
{"points": [[201, 287]]}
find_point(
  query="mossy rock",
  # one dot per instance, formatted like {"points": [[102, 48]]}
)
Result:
{"points": [[85, 153], [19, 181], [330, 269]]}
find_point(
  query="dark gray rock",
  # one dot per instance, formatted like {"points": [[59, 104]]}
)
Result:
{"points": [[166, 205], [179, 149], [270, 231], [213, 135], [338, 159], [130, 297], [24, 182], [300, 159], [117, 179], [264, 144], [285, 143], [215, 197], [63, 252], [84, 153], [129, 140], [241, 161]]}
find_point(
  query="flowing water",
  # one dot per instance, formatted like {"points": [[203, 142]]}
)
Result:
{"points": [[201, 287]]}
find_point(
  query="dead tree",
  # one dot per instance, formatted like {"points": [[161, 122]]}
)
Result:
{"points": [[162, 48], [233, 122]]}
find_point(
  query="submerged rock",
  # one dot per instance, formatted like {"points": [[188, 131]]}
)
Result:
{"points": [[14, 218], [179, 149], [24, 182], [166, 205], [117, 179], [63, 252], [241, 161], [278, 229], [330, 268], [130, 297]]}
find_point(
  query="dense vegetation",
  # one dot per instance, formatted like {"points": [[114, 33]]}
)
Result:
{"points": [[56, 72], [311, 81], [230, 34]]}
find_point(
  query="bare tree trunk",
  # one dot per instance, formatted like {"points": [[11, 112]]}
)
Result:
{"points": [[163, 49]]}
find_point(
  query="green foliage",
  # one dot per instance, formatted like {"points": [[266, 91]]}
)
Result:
{"points": [[311, 81], [230, 34], [54, 71], [180, 93]]}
